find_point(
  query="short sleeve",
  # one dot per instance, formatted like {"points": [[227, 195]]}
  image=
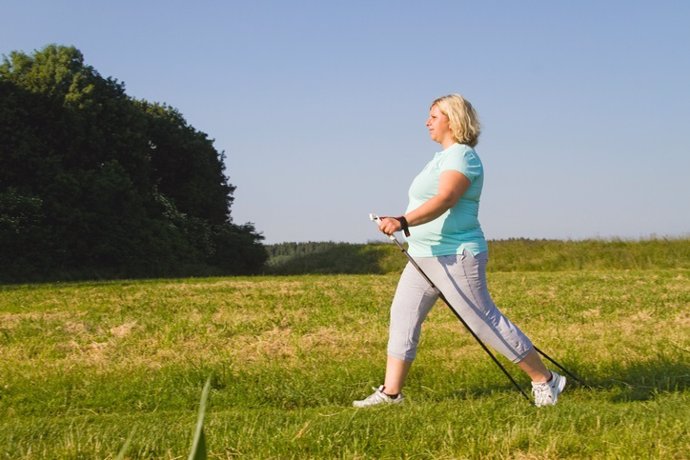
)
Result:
{"points": [[462, 159]]}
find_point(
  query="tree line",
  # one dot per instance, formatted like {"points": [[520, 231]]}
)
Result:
{"points": [[95, 183], [515, 254]]}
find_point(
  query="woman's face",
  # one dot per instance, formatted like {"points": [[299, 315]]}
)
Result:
{"points": [[439, 127]]}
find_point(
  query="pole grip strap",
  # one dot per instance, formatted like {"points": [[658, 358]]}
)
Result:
{"points": [[404, 226]]}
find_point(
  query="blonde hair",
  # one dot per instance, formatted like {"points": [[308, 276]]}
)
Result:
{"points": [[463, 119]]}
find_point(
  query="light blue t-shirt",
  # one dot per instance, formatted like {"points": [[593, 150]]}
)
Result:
{"points": [[458, 228]]}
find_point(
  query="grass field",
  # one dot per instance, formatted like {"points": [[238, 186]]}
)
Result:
{"points": [[84, 364]]}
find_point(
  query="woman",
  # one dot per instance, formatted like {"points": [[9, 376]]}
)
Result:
{"points": [[447, 242]]}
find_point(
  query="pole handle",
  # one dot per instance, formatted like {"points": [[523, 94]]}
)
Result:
{"points": [[374, 218]]}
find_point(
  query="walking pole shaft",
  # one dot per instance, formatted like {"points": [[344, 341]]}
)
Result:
{"points": [[576, 378]]}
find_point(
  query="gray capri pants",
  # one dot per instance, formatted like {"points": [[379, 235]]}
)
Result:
{"points": [[462, 280]]}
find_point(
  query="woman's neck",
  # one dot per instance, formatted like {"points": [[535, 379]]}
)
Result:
{"points": [[447, 143]]}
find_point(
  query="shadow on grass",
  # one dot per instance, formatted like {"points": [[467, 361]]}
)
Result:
{"points": [[642, 381]]}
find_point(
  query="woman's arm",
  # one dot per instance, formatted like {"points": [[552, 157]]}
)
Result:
{"points": [[452, 185]]}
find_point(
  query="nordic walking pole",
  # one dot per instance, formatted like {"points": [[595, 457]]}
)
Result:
{"points": [[576, 378], [375, 218]]}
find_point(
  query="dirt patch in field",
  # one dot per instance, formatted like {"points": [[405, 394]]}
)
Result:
{"points": [[591, 313], [92, 353], [11, 320], [283, 343], [324, 338], [123, 330], [683, 319], [233, 317], [278, 343]]}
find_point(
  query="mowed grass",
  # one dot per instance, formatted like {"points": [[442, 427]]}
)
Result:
{"points": [[83, 365]]}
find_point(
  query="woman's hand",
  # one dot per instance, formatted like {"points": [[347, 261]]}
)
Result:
{"points": [[389, 225]]}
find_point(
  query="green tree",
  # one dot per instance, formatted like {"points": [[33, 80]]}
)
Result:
{"points": [[95, 183], [184, 163]]}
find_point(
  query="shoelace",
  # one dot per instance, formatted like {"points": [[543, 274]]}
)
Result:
{"points": [[375, 395]]}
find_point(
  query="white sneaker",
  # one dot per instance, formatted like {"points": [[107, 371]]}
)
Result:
{"points": [[378, 397], [546, 394]]}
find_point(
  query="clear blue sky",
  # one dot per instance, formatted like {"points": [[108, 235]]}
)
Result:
{"points": [[320, 106]]}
